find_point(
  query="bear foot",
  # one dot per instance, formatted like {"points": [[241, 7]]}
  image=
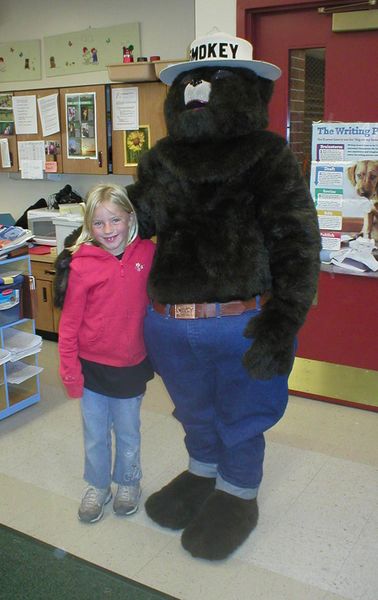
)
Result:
{"points": [[176, 504], [221, 526]]}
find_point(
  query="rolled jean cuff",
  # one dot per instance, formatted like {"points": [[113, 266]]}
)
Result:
{"points": [[202, 469], [234, 490]]}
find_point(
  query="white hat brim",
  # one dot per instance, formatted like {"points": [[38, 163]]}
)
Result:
{"points": [[261, 68]]}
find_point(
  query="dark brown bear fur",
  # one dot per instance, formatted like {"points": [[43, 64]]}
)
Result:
{"points": [[62, 265], [185, 495], [233, 219], [232, 213], [222, 524]]}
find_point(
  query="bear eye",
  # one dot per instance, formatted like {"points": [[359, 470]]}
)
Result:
{"points": [[187, 79]]}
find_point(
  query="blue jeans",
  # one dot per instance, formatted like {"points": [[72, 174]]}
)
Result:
{"points": [[223, 411], [100, 415]]}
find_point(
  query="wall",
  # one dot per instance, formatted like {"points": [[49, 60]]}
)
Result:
{"points": [[215, 13], [161, 33], [160, 27]]}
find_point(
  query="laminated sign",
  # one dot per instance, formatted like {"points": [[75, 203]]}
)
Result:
{"points": [[344, 181]]}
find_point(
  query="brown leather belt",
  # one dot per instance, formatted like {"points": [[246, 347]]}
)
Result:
{"points": [[208, 310]]}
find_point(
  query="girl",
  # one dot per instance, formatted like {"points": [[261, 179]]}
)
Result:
{"points": [[102, 354]]}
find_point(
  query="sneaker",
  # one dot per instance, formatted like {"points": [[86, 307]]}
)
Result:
{"points": [[92, 504], [126, 500]]}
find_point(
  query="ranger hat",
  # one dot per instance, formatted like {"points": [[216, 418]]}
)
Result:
{"points": [[220, 50]]}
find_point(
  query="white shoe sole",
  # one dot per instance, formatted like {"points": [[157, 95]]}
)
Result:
{"points": [[131, 512]]}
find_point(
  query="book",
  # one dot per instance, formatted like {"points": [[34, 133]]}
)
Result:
{"points": [[351, 265], [355, 259], [13, 237]]}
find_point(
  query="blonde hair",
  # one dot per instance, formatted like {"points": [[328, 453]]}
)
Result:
{"points": [[115, 194]]}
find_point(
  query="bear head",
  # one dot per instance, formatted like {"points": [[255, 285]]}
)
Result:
{"points": [[213, 103]]}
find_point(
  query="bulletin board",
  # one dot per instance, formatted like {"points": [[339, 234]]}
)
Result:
{"points": [[89, 50], [20, 61]]}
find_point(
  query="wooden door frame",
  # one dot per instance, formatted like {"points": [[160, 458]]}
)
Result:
{"points": [[248, 12], [246, 9]]}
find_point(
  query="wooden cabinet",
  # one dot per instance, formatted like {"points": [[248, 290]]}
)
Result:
{"points": [[47, 317], [83, 127], [53, 143], [81, 146], [12, 143], [151, 97]]}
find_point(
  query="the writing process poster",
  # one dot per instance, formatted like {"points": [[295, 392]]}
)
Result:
{"points": [[344, 179]]}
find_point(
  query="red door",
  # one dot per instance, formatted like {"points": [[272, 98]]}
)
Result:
{"points": [[342, 328], [351, 86]]}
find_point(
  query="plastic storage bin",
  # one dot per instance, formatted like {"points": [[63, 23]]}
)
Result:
{"points": [[65, 225], [10, 299]]}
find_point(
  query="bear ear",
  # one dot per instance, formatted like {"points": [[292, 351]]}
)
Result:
{"points": [[351, 171]]}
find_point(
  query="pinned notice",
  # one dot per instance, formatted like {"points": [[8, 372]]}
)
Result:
{"points": [[4, 154], [25, 114]]}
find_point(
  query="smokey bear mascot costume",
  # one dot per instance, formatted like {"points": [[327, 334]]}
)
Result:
{"points": [[234, 275]]}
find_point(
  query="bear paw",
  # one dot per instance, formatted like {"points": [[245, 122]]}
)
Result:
{"points": [[221, 526], [176, 504]]}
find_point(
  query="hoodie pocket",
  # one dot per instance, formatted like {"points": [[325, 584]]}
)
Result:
{"points": [[93, 330]]}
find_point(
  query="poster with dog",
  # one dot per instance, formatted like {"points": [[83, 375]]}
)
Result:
{"points": [[344, 181]]}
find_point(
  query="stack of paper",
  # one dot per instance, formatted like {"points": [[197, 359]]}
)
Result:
{"points": [[7, 275], [4, 356], [13, 237], [20, 343], [353, 259], [17, 372]]}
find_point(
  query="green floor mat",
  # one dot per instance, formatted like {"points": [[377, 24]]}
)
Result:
{"points": [[33, 570]]}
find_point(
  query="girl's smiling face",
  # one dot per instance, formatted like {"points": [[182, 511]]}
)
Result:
{"points": [[110, 227]]}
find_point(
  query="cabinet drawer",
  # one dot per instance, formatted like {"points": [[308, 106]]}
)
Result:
{"points": [[43, 270]]}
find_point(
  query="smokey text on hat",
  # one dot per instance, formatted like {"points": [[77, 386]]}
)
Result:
{"points": [[214, 50]]}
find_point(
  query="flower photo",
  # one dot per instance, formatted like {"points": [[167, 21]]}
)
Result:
{"points": [[136, 142]]}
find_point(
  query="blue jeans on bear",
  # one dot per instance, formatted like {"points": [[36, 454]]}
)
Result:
{"points": [[223, 411], [102, 414]]}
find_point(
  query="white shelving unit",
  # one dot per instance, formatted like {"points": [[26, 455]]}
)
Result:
{"points": [[16, 396]]}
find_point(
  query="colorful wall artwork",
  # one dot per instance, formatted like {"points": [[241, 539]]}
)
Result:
{"points": [[90, 49], [20, 61]]}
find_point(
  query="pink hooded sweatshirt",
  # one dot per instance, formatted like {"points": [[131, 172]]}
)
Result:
{"points": [[103, 312]]}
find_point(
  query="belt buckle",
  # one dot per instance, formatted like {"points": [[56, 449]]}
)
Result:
{"points": [[185, 311]]}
